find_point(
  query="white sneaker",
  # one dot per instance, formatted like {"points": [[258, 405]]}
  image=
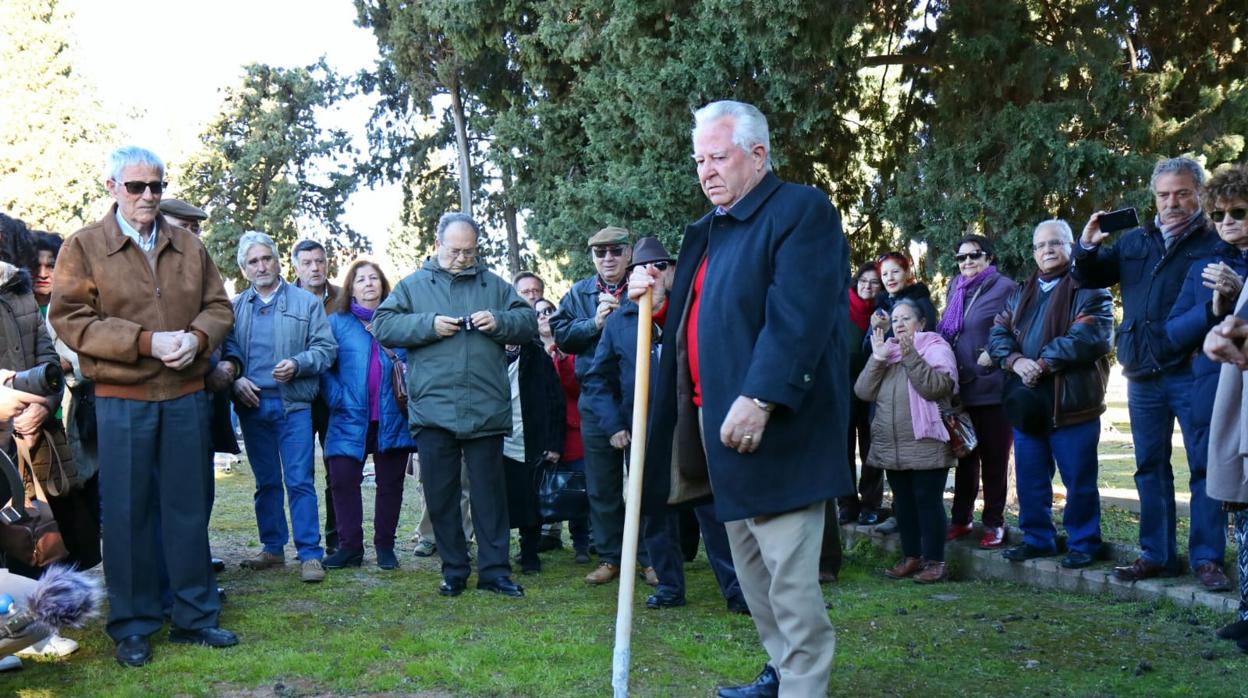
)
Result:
{"points": [[10, 663], [51, 646]]}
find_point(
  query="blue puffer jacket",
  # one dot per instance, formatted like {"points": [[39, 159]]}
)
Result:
{"points": [[345, 389], [1191, 319], [1149, 279]]}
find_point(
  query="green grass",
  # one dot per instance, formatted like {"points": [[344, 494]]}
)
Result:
{"points": [[367, 631]]}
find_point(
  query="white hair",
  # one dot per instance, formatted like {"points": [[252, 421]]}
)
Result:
{"points": [[449, 219], [749, 126], [1061, 226], [250, 239], [129, 156]]}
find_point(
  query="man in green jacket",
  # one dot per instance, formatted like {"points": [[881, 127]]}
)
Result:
{"points": [[454, 317]]}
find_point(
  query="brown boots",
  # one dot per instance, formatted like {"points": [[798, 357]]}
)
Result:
{"points": [[923, 571]]}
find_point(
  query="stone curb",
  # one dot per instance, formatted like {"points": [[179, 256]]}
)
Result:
{"points": [[967, 561]]}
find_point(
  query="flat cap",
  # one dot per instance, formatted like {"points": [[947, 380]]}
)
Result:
{"points": [[609, 236], [180, 209]]}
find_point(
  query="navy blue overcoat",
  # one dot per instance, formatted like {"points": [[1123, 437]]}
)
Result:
{"points": [[775, 288]]}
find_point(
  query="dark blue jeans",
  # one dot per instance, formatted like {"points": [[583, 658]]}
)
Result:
{"points": [[1153, 406], [279, 447], [1073, 448]]}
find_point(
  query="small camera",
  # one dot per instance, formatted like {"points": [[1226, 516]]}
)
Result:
{"points": [[43, 380], [466, 323]]}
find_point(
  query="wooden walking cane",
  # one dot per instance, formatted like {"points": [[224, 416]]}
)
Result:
{"points": [[632, 508]]}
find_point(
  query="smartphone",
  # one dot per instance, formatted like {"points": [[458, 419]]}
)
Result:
{"points": [[1122, 219]]}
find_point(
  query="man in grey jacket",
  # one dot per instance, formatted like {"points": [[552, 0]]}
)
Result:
{"points": [[280, 344], [454, 317]]}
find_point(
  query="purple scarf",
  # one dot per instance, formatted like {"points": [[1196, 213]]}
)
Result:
{"points": [[365, 315], [951, 323], [1180, 230]]}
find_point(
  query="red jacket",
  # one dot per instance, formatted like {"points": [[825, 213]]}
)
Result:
{"points": [[565, 366]]}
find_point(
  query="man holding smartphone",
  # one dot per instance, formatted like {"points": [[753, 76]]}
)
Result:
{"points": [[1149, 264]]}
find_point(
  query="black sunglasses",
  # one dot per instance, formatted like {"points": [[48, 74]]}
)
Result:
{"points": [[137, 188], [614, 251], [886, 255], [976, 255], [1236, 213], [548, 310]]}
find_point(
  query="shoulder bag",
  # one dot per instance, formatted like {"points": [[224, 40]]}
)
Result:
{"points": [[28, 531]]}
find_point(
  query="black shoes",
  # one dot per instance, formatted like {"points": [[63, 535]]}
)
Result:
{"points": [[549, 543], [346, 557], [1233, 631], [386, 559], [737, 604], [1024, 551], [767, 685], [530, 565], [451, 586], [133, 651], [218, 565], [502, 585], [1075, 559], [581, 557], [665, 599], [845, 516], [208, 637]]}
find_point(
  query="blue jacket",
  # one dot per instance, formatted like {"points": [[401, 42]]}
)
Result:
{"points": [[300, 333], [573, 325], [345, 389], [1191, 319], [607, 385], [1149, 279], [777, 270]]}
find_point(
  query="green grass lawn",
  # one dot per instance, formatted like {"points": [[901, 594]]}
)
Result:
{"points": [[366, 631]]}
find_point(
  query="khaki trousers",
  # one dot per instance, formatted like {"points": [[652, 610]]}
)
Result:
{"points": [[777, 564]]}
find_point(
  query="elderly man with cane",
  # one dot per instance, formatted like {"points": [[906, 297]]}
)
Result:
{"points": [[755, 419]]}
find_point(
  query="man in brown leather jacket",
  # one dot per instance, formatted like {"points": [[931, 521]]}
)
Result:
{"points": [[142, 303]]}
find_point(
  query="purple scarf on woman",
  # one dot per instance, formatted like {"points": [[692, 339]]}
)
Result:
{"points": [[925, 417], [365, 315], [950, 325]]}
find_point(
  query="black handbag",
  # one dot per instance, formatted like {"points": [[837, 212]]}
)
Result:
{"points": [[561, 493]]}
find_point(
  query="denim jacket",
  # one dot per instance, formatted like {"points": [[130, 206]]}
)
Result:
{"points": [[301, 332]]}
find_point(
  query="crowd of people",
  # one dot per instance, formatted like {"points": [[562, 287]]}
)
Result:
{"points": [[758, 383]]}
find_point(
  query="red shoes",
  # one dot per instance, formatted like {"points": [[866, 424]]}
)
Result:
{"points": [[957, 531], [993, 538]]}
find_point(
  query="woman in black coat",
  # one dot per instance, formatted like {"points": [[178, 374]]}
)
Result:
{"points": [[899, 282], [537, 432]]}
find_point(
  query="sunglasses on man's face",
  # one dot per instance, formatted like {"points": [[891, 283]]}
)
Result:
{"points": [[136, 188], [976, 255], [1235, 213], [614, 251], [547, 311]]}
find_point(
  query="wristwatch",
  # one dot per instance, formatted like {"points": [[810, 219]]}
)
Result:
{"points": [[764, 405]]}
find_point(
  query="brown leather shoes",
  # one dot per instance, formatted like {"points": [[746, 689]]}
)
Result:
{"points": [[1141, 569], [906, 568], [931, 573], [263, 561], [651, 577], [603, 574], [1212, 577]]}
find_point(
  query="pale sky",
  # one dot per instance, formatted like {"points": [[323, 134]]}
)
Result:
{"points": [[161, 98]]}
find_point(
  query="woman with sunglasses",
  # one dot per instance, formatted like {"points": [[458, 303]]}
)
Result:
{"points": [[864, 504], [975, 297], [1209, 294]]}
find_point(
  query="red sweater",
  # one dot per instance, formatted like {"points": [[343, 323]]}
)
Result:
{"points": [[691, 331]]}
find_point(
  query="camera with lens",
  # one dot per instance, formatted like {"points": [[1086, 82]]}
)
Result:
{"points": [[43, 380], [466, 323]]}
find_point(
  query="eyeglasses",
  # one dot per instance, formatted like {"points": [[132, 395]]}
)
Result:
{"points": [[1052, 244], [547, 311], [886, 255], [1235, 213], [466, 254], [976, 255], [661, 266], [614, 251], [136, 188]]}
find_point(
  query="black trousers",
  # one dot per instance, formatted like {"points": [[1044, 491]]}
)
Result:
{"points": [[870, 494], [919, 505], [441, 455], [157, 473], [320, 424]]}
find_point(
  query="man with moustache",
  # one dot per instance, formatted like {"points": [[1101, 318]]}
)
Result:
{"points": [[751, 402], [1149, 265], [578, 326]]}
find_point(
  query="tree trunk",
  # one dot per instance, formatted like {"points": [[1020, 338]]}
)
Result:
{"points": [[513, 231], [461, 138]]}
